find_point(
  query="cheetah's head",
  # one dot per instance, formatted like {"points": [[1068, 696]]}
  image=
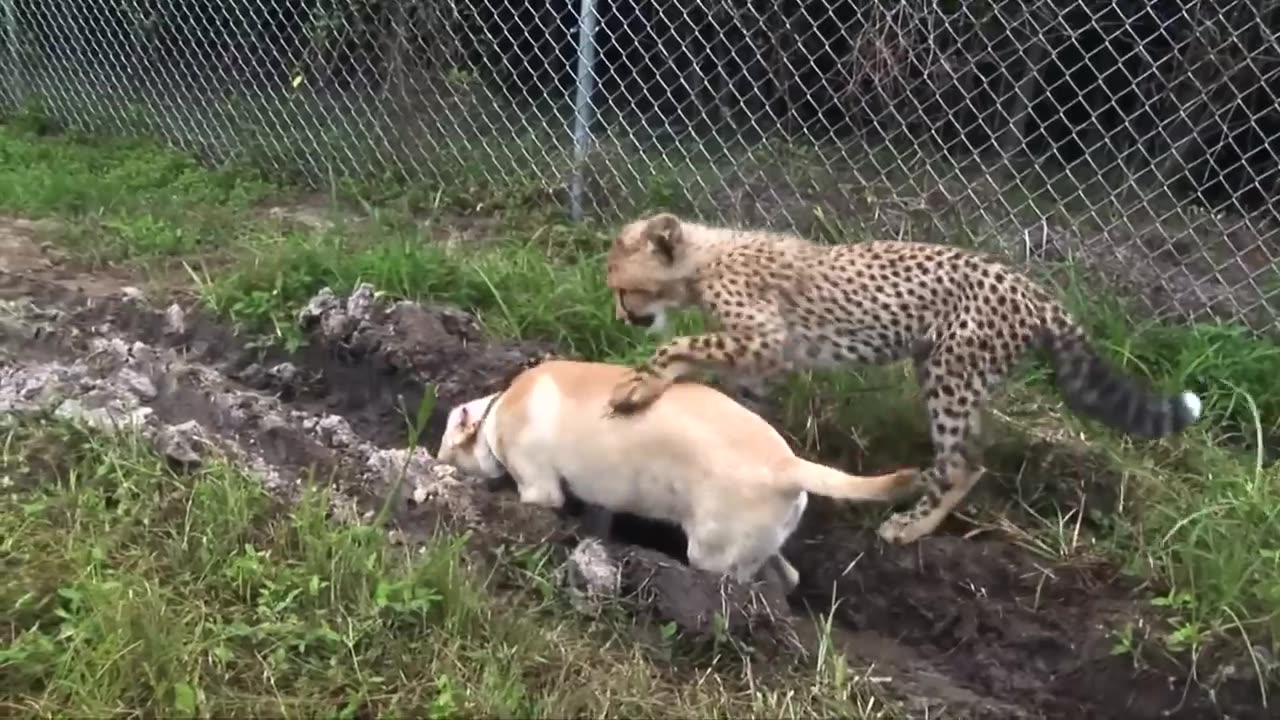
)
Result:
{"points": [[649, 270]]}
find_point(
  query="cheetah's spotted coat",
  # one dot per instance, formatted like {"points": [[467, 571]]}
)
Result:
{"points": [[783, 303]]}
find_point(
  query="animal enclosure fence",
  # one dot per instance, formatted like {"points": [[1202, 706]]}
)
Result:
{"points": [[1137, 140]]}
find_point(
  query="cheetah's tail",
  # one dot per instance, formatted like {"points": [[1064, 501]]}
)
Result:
{"points": [[1094, 388]]}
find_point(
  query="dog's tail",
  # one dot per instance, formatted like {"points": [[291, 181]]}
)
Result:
{"points": [[823, 480]]}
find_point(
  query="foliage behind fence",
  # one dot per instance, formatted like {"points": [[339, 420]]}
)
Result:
{"points": [[1138, 139]]}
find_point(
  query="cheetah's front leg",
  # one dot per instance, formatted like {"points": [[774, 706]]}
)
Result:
{"points": [[735, 355]]}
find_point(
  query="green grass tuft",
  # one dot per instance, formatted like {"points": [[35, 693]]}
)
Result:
{"points": [[123, 198], [132, 587]]}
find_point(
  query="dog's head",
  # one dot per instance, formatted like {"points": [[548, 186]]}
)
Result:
{"points": [[463, 444]]}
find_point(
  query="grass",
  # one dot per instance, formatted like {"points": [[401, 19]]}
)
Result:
{"points": [[514, 288], [132, 588], [128, 199], [1195, 514]]}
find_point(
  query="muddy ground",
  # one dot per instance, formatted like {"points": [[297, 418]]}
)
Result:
{"points": [[966, 628]]}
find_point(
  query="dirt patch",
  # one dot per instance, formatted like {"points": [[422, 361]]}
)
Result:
{"points": [[1186, 274], [339, 411], [999, 623], [965, 627], [18, 250], [318, 213], [26, 248]]}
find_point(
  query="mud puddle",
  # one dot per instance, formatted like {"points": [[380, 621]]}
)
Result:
{"points": [[957, 627]]}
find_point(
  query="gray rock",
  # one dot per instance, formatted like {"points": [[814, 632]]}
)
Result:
{"points": [[591, 573], [182, 443], [175, 320]]}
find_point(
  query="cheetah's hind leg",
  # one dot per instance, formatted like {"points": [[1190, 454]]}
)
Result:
{"points": [[939, 499], [954, 398]]}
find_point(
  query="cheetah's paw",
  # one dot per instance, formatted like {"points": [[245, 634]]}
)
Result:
{"points": [[634, 393], [903, 528]]}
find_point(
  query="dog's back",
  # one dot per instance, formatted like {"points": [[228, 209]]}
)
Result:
{"points": [[698, 416], [665, 462]]}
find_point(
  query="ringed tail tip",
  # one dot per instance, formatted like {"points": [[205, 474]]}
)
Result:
{"points": [[1192, 403]]}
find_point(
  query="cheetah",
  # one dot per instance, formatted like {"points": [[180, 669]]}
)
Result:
{"points": [[780, 303]]}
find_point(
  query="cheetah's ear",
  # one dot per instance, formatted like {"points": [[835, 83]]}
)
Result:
{"points": [[665, 236]]}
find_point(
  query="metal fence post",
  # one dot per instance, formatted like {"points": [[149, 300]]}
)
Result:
{"points": [[583, 109]]}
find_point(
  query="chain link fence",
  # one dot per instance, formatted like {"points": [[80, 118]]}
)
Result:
{"points": [[1136, 141]]}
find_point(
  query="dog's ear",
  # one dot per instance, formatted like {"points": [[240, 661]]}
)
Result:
{"points": [[467, 436], [665, 236], [468, 426], [454, 421]]}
